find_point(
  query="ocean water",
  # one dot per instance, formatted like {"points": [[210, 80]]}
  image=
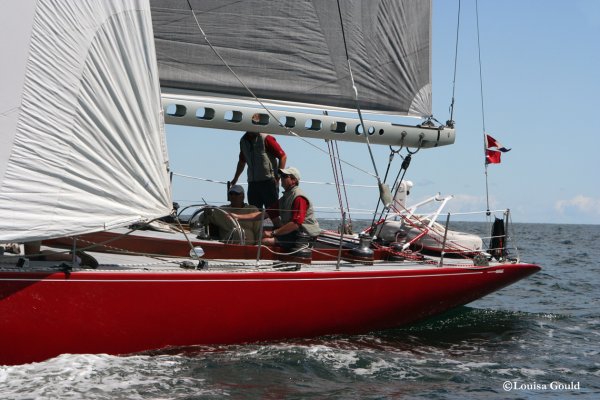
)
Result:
{"points": [[538, 338]]}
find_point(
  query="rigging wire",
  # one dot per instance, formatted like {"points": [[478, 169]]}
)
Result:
{"points": [[398, 181], [289, 130], [362, 123], [349, 224], [335, 174], [451, 121], [387, 170], [385, 196], [340, 184], [487, 194]]}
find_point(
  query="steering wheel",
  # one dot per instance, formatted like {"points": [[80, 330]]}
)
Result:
{"points": [[229, 227]]}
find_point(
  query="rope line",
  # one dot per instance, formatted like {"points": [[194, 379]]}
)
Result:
{"points": [[345, 189], [455, 65], [304, 182], [487, 193], [335, 175], [362, 122]]}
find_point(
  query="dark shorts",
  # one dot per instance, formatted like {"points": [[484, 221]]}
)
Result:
{"points": [[287, 241], [292, 240], [262, 194]]}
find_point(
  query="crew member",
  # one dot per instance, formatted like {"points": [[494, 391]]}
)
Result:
{"points": [[264, 157], [293, 215], [237, 205]]}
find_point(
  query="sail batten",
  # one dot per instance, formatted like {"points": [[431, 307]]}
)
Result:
{"points": [[293, 51]]}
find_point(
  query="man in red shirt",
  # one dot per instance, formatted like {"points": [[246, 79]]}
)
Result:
{"points": [[292, 215], [264, 157]]}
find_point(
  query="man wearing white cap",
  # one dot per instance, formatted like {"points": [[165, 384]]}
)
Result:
{"points": [[292, 216]]}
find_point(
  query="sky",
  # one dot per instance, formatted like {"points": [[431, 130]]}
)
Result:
{"points": [[541, 97]]}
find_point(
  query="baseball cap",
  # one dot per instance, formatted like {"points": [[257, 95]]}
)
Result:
{"points": [[291, 171], [237, 189]]}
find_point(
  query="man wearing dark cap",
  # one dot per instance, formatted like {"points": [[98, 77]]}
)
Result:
{"points": [[235, 195]]}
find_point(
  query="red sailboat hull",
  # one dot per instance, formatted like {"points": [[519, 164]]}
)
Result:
{"points": [[47, 314]]}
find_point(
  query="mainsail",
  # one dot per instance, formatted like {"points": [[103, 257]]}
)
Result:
{"points": [[293, 52], [83, 145]]}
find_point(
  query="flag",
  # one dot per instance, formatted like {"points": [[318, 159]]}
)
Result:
{"points": [[492, 156], [491, 142], [493, 149]]}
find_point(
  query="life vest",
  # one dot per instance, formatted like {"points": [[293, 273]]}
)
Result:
{"points": [[261, 164], [310, 224]]}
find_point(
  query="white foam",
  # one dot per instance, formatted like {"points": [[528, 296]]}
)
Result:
{"points": [[102, 376], [532, 372]]}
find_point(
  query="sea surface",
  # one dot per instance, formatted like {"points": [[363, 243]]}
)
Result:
{"points": [[538, 338]]}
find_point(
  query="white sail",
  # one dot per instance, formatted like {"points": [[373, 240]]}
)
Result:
{"points": [[83, 145]]}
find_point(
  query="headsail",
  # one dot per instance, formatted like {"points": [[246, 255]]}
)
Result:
{"points": [[80, 118], [293, 51]]}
